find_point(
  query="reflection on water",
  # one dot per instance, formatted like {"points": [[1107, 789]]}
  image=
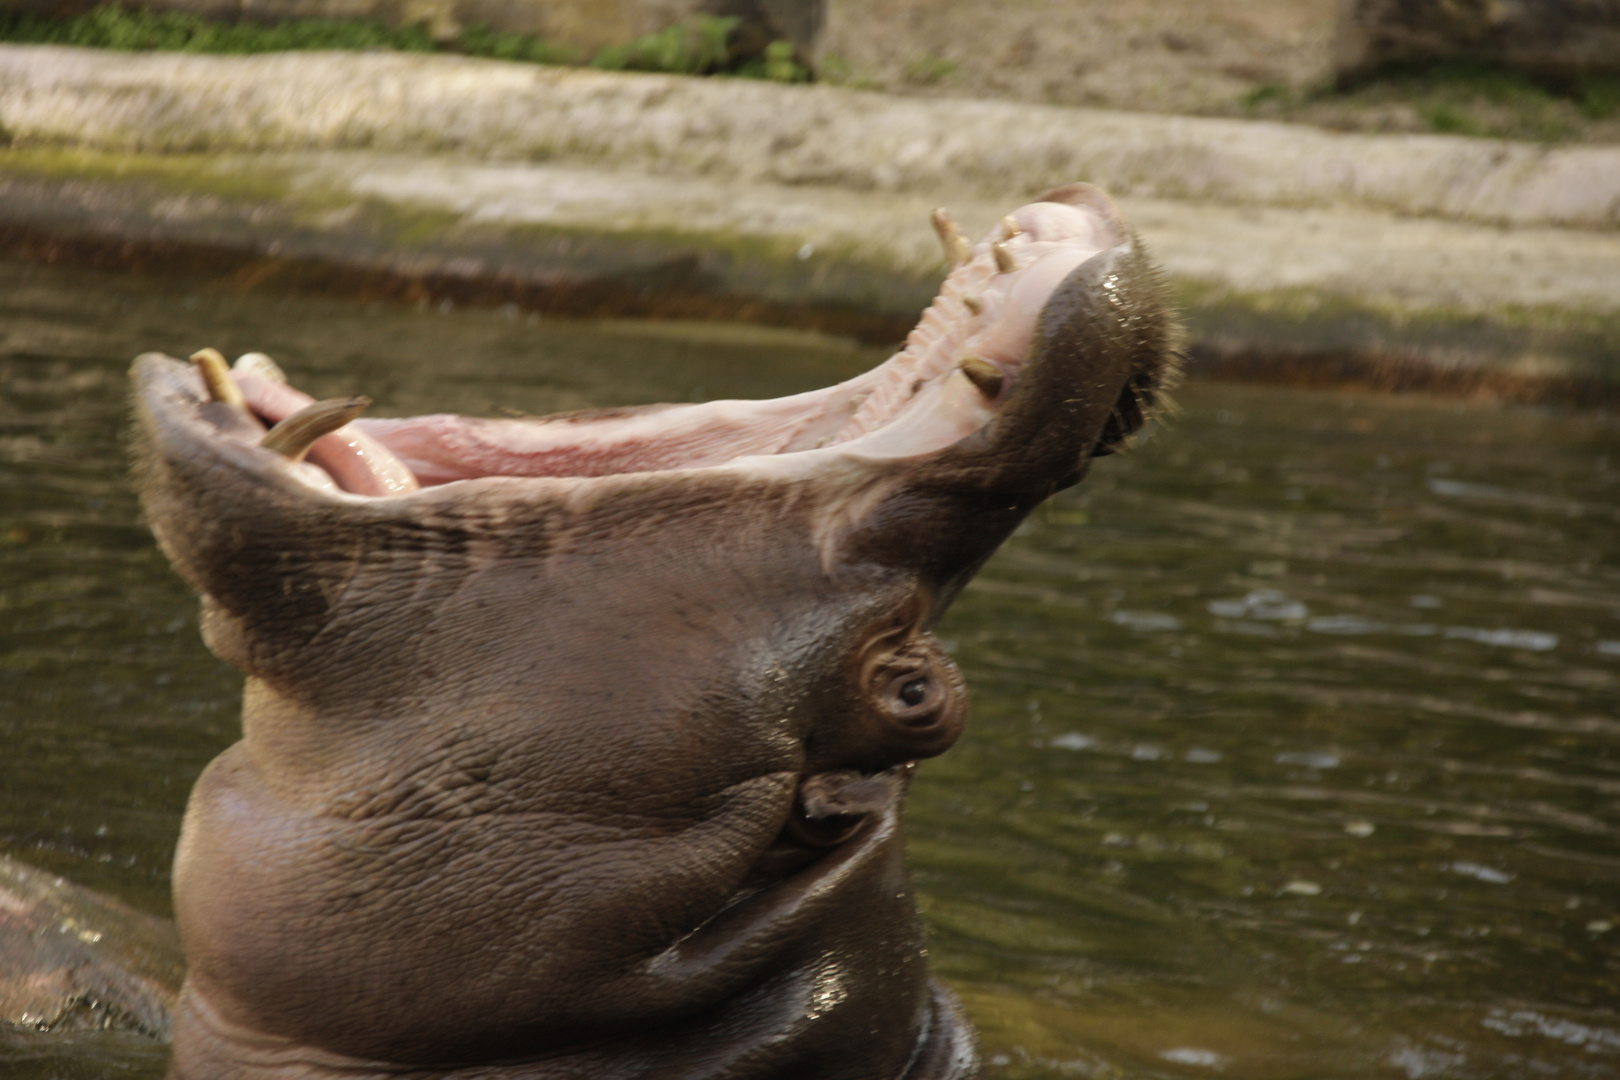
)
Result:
{"points": [[1294, 752]]}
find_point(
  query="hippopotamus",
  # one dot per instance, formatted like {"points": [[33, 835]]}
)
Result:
{"points": [[575, 747]]}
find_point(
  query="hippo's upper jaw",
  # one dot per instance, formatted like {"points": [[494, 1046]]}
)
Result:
{"points": [[575, 746]]}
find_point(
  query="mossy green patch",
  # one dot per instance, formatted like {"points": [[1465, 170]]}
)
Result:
{"points": [[695, 47], [292, 183], [112, 27], [838, 71], [1538, 342], [206, 174], [1308, 305], [290, 218], [1452, 97], [1599, 96], [779, 63], [928, 70], [702, 45], [481, 39]]}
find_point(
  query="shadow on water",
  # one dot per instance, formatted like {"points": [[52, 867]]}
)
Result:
{"points": [[1294, 751]]}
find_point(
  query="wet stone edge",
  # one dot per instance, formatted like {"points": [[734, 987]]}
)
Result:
{"points": [[431, 259]]}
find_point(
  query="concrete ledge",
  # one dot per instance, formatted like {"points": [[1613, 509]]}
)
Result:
{"points": [[587, 193], [186, 215], [1301, 295], [765, 133]]}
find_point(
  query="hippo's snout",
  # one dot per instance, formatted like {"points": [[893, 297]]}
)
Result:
{"points": [[575, 746]]}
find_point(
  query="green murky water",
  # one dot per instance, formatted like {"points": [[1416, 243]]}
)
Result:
{"points": [[1295, 750]]}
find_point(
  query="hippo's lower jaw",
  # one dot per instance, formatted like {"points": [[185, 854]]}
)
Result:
{"points": [[575, 747]]}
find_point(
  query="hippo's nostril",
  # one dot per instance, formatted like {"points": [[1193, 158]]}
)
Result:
{"points": [[831, 807]]}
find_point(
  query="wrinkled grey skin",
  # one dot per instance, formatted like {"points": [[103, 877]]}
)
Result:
{"points": [[556, 781]]}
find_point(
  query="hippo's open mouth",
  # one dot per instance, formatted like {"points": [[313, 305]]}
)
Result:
{"points": [[576, 746], [964, 358]]}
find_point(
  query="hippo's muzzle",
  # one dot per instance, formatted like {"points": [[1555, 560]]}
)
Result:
{"points": [[574, 747]]}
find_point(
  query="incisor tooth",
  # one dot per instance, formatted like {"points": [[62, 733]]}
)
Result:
{"points": [[257, 363], [216, 376], [1005, 263], [983, 374], [957, 249], [1010, 224], [973, 304], [295, 435]]}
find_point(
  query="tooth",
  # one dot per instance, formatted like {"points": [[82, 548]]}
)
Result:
{"points": [[293, 436], [983, 374], [216, 375], [1010, 224], [951, 239], [1005, 262], [257, 363], [973, 304]]}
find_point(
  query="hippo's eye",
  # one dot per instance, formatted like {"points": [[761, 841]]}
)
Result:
{"points": [[912, 698]]}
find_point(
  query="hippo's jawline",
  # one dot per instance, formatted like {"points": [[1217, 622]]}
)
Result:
{"points": [[575, 746]]}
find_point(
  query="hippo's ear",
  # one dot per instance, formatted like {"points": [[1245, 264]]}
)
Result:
{"points": [[1105, 350]]}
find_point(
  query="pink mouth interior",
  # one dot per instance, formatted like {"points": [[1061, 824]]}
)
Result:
{"points": [[915, 403]]}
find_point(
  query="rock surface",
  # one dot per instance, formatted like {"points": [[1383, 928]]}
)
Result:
{"points": [[1193, 56], [766, 133], [71, 958], [1558, 39]]}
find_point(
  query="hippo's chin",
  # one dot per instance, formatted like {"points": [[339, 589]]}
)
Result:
{"points": [[576, 746]]}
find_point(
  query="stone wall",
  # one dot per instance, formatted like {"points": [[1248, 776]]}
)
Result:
{"points": [[1186, 56], [1157, 55], [1557, 39]]}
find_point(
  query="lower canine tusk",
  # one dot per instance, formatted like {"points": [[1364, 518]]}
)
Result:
{"points": [[951, 239], [1005, 263], [216, 376], [293, 437], [983, 374]]}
